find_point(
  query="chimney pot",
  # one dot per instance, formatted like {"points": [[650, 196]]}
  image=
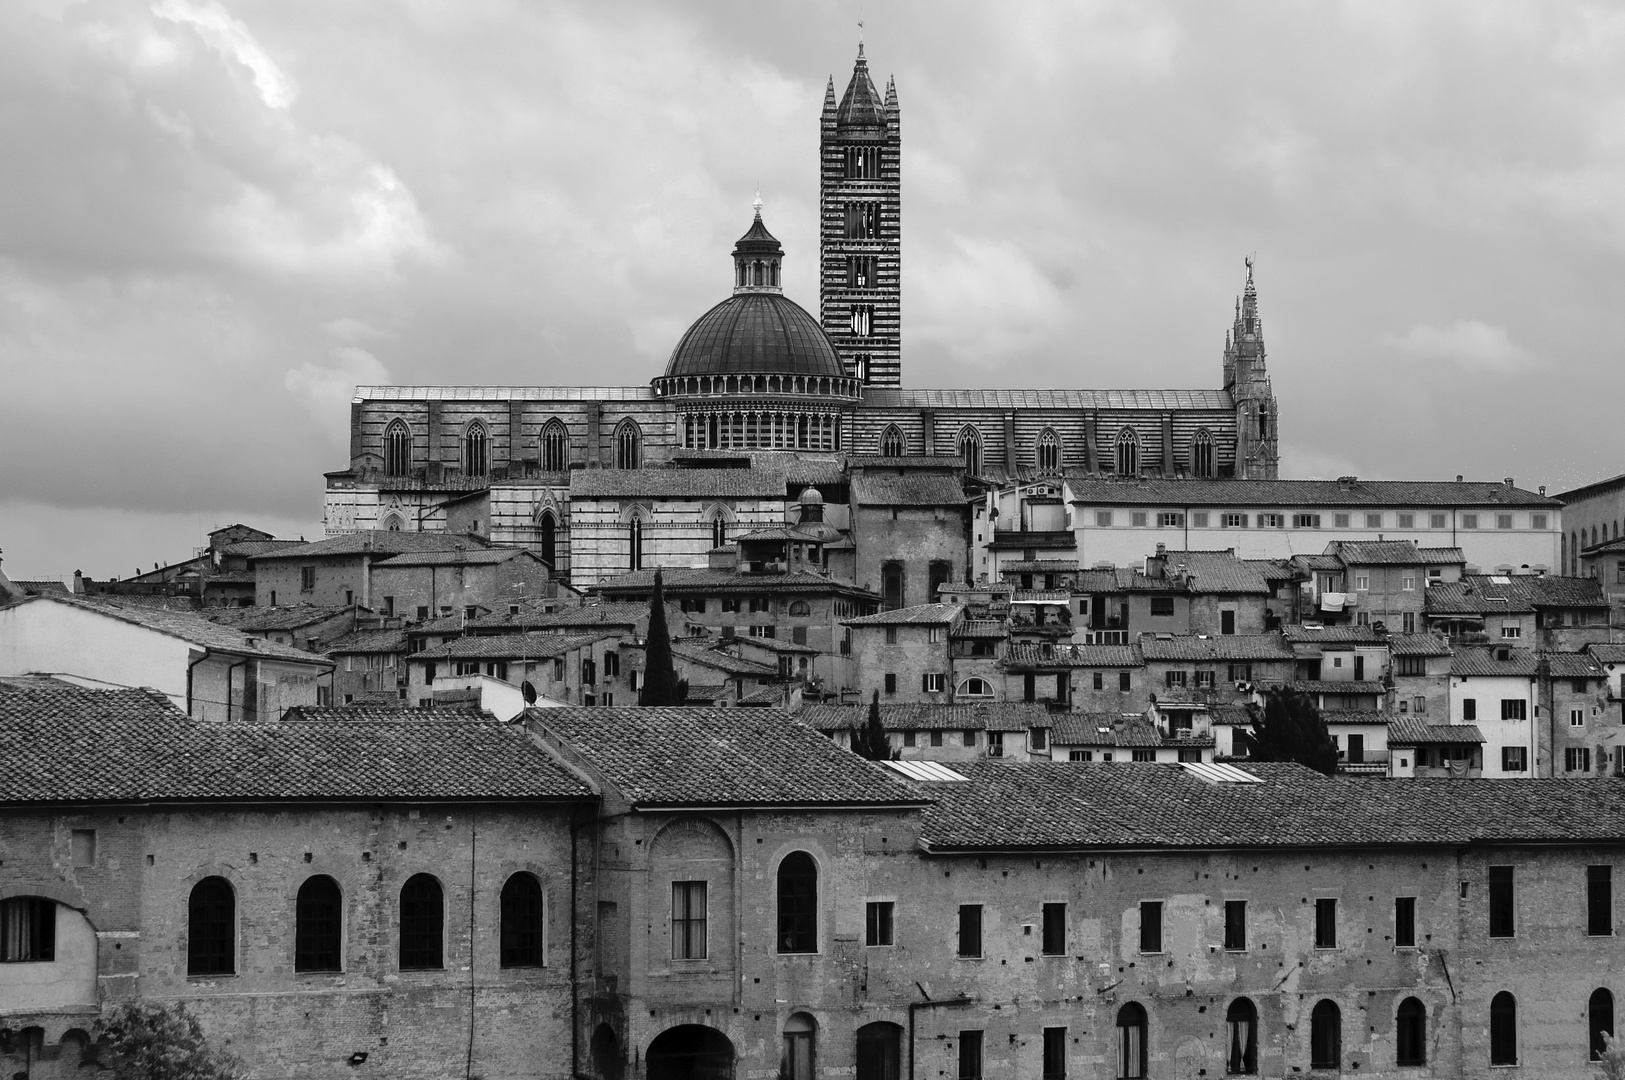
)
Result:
{"points": [[1508, 482], [1458, 478]]}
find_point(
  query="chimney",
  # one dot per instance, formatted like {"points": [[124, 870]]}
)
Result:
{"points": [[1458, 478], [1543, 489], [1508, 482]]}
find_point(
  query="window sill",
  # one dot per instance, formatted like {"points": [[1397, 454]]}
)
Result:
{"points": [[211, 978], [970, 958], [317, 973]]}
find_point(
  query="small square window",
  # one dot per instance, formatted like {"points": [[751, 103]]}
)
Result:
{"points": [[1437, 521], [1469, 521], [891, 682], [891, 635], [1373, 521], [83, 844], [1170, 520], [1199, 520], [1139, 519], [1233, 521], [1537, 521], [1100, 680], [1503, 521], [878, 918], [1407, 521], [1123, 681], [1103, 518], [1340, 521]]}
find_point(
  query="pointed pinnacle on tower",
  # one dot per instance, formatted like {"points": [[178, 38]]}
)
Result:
{"points": [[829, 97]]}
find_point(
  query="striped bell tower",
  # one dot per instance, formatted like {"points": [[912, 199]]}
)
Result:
{"points": [[860, 230]]}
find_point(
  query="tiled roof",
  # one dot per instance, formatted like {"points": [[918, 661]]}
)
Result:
{"points": [[1274, 571], [1002, 716], [481, 557], [702, 579], [1042, 596], [1221, 647], [1481, 660], [1039, 566], [1330, 563], [1218, 572], [1331, 635], [390, 712], [720, 757], [1502, 593], [905, 461], [677, 483], [1062, 805], [1094, 490], [1410, 732], [40, 587], [1607, 654], [776, 645], [243, 548], [190, 627], [642, 392], [368, 641], [1376, 552], [1056, 540], [763, 695], [44, 699], [84, 756], [1436, 555], [1106, 729], [875, 397], [981, 629], [508, 647], [377, 542], [709, 693], [1572, 665], [291, 617], [1034, 654], [927, 489], [610, 614], [721, 661], [1328, 686], [918, 615], [1234, 713], [1418, 645], [1356, 716], [1604, 547]]}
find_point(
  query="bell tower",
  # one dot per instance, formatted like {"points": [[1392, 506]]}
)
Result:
{"points": [[1248, 380], [860, 227]]}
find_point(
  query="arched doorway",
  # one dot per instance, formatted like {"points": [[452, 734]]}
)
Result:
{"points": [[607, 1058], [880, 1051], [691, 1052]]}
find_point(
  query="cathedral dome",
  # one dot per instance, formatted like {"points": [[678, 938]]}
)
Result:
{"points": [[757, 330], [755, 333]]}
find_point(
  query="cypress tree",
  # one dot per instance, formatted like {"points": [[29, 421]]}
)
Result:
{"points": [[1290, 728], [870, 741], [660, 683]]}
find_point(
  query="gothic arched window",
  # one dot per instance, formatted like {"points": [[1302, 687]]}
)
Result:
{"points": [[555, 447], [392, 523], [1049, 451], [1202, 454], [1128, 453], [891, 441], [719, 530], [548, 527], [628, 445], [970, 449], [474, 442], [634, 540], [397, 449]]}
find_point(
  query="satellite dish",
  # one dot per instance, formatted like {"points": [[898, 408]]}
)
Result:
{"points": [[529, 691]]}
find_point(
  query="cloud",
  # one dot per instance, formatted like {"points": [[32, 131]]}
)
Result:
{"points": [[1470, 344], [326, 390], [232, 39]]}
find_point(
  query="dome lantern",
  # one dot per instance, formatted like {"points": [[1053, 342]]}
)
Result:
{"points": [[757, 258]]}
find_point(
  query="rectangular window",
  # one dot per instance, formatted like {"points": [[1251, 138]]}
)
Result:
{"points": [[1100, 680], [932, 682], [1055, 929], [307, 578], [1469, 708], [82, 846], [1199, 520], [936, 738], [1103, 518], [1326, 923], [1410, 665], [1577, 759], [1503, 521], [1240, 672], [1514, 759], [1123, 681], [1162, 606], [970, 931], [1235, 924], [1502, 922], [1080, 755], [1537, 521], [1373, 521], [1577, 718], [908, 738], [1151, 926], [1436, 521], [1407, 521], [688, 920], [1405, 922], [1175, 678], [1469, 521], [1340, 521], [1514, 709], [1038, 738], [891, 635], [1511, 630], [891, 682], [27, 929], [1271, 521], [1170, 520], [1362, 582], [970, 1055], [1055, 1053], [878, 916], [1407, 583], [1233, 521], [1306, 521], [1600, 900], [969, 737], [1138, 519], [1407, 621], [933, 635]]}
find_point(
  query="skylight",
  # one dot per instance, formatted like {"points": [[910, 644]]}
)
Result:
{"points": [[1219, 773], [926, 770]]}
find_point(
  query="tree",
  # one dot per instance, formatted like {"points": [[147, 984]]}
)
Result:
{"points": [[870, 741], [1611, 1066], [160, 1042], [660, 683], [1290, 728]]}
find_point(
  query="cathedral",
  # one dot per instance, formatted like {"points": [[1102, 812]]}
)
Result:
{"points": [[760, 401]]}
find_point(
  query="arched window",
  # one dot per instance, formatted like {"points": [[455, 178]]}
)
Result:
{"points": [[1241, 1037], [880, 1051], [27, 929], [800, 609], [555, 447], [211, 928], [397, 449], [474, 442], [423, 923], [798, 904], [975, 687], [1202, 458], [1049, 451], [1503, 1029], [1132, 1044], [318, 935], [628, 445], [522, 925], [970, 448], [796, 1062], [1326, 1036], [1411, 1033], [719, 530], [634, 541], [1128, 453], [891, 441], [548, 528], [1600, 1019]]}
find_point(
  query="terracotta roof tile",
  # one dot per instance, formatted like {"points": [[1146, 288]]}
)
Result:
{"points": [[1220, 647], [1410, 732], [1000, 716], [1093, 490]]}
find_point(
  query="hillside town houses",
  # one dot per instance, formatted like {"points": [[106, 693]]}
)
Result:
{"points": [[386, 803]]}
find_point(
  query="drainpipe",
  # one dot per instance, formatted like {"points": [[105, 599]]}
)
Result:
{"points": [[189, 669]]}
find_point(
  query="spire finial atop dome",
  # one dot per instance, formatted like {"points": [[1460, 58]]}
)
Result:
{"points": [[756, 204]]}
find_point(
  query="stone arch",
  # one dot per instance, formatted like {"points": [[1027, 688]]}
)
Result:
{"points": [[693, 849], [689, 1051]]}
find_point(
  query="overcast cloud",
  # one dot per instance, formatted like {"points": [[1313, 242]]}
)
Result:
{"points": [[216, 219]]}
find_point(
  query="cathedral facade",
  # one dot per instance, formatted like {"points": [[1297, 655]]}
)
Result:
{"points": [[760, 400]]}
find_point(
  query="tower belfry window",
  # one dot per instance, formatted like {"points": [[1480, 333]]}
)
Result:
{"points": [[862, 271], [862, 221], [863, 320], [862, 162]]}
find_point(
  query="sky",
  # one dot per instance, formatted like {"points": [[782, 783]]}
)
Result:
{"points": [[217, 219]]}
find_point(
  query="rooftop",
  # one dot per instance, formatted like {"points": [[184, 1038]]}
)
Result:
{"points": [[923, 489], [1012, 716], [376, 542], [918, 615], [1411, 732], [187, 626], [1157, 648], [1503, 593], [1095, 490], [535, 646]]}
